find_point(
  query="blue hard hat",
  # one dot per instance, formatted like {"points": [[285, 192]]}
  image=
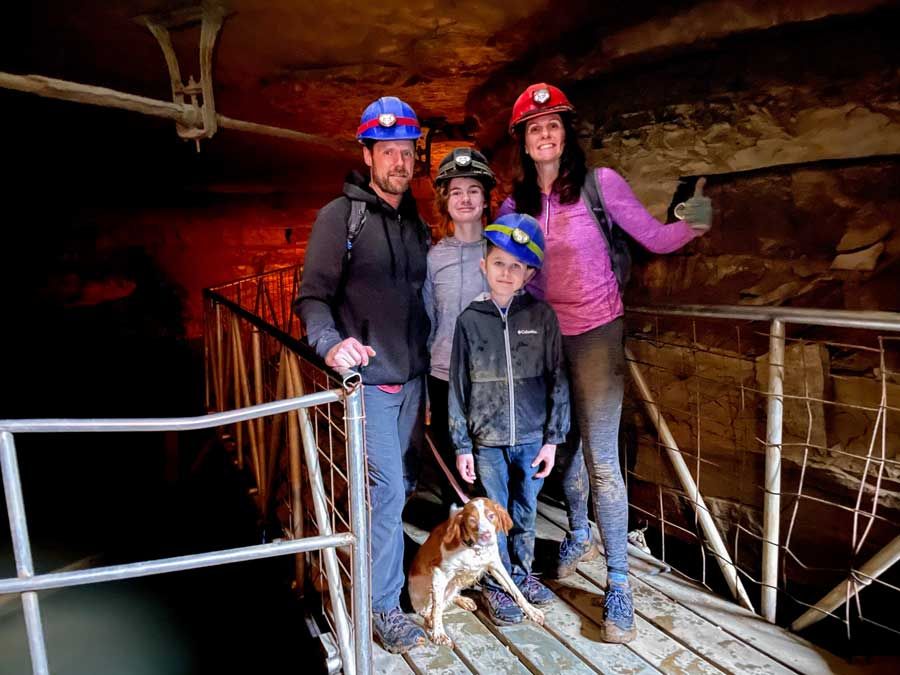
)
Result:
{"points": [[388, 119], [520, 235]]}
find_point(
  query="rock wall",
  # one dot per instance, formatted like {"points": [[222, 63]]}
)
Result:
{"points": [[798, 130]]}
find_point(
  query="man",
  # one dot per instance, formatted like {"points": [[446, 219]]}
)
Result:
{"points": [[361, 302]]}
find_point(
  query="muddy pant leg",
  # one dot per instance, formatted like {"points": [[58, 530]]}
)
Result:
{"points": [[523, 494], [387, 493], [597, 371], [575, 484], [492, 468]]}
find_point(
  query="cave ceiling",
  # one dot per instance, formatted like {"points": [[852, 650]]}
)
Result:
{"points": [[313, 66]]}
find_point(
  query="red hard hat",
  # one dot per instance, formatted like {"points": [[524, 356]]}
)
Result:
{"points": [[538, 99]]}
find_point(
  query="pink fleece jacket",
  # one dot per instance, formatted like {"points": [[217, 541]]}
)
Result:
{"points": [[577, 279]]}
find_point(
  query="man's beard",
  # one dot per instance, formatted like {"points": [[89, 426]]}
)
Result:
{"points": [[391, 184]]}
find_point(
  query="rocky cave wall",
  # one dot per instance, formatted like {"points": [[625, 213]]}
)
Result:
{"points": [[798, 131]]}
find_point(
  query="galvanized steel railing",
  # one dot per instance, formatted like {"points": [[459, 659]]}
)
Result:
{"points": [[355, 653], [678, 333]]}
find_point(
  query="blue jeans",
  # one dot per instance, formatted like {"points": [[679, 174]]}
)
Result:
{"points": [[596, 367], [394, 428], [508, 478]]}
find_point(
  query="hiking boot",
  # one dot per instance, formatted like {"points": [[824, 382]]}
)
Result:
{"points": [[573, 552], [618, 614], [501, 608], [396, 632], [534, 591]]}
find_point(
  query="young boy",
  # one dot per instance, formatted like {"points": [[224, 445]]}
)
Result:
{"points": [[509, 398]]}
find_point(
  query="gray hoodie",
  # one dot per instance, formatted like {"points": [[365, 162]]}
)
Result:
{"points": [[453, 280]]}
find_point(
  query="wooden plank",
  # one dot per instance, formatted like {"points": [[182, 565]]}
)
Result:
{"points": [[478, 647], [651, 644], [582, 635], [539, 650], [742, 625], [432, 659], [686, 627], [385, 663]]}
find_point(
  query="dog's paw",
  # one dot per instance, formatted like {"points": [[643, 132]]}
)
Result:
{"points": [[441, 638], [535, 615], [465, 603]]}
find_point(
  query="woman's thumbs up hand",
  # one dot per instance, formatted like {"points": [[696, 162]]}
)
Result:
{"points": [[697, 210]]}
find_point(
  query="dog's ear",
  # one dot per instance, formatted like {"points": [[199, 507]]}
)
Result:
{"points": [[504, 522], [453, 534]]}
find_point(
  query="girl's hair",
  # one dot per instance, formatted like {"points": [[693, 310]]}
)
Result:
{"points": [[572, 170], [444, 227]]}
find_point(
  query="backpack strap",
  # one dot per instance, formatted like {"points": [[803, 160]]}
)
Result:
{"points": [[593, 199], [355, 224], [616, 239]]}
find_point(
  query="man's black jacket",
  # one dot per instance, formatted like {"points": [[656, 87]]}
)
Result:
{"points": [[508, 382], [377, 299]]}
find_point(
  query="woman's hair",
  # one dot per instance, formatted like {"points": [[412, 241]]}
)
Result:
{"points": [[444, 227], [572, 170]]}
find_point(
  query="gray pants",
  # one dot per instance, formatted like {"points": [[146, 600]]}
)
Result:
{"points": [[596, 366]]}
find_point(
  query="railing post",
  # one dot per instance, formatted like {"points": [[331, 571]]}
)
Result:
{"points": [[18, 527], [772, 506], [356, 469]]}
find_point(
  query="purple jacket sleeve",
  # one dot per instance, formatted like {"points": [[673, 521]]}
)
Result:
{"points": [[626, 209]]}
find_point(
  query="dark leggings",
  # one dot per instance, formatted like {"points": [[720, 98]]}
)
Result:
{"points": [[596, 366]]}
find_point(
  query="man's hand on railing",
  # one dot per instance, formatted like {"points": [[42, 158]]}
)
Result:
{"points": [[348, 354]]}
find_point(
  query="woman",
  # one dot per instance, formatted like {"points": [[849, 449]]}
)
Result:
{"points": [[453, 279], [579, 282]]}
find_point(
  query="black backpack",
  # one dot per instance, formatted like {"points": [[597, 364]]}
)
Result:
{"points": [[615, 236]]}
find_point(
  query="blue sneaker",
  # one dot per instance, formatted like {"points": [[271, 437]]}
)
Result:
{"points": [[534, 591], [573, 552], [396, 632], [500, 607], [618, 614]]}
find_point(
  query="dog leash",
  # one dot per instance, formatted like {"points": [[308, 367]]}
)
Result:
{"points": [[447, 472]]}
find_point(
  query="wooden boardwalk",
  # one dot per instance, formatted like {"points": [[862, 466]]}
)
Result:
{"points": [[682, 629]]}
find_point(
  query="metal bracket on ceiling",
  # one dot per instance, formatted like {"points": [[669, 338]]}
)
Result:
{"points": [[211, 15]]}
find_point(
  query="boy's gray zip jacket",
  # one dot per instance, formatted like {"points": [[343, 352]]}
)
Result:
{"points": [[508, 383], [454, 279], [378, 298]]}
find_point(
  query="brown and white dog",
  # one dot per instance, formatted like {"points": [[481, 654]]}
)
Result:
{"points": [[456, 554]]}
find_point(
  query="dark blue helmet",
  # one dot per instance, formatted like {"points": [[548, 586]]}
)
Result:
{"points": [[388, 119], [520, 235]]}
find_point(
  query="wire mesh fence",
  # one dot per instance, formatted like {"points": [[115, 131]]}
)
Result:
{"points": [[838, 467], [299, 463]]}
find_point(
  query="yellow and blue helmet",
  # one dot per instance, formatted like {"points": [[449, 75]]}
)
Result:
{"points": [[520, 235], [388, 119]]}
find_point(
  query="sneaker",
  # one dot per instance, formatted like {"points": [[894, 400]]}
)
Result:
{"points": [[501, 608], [534, 591], [573, 552], [396, 632], [618, 614]]}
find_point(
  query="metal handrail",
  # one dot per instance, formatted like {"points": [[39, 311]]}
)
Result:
{"points": [[841, 318], [27, 583], [43, 582], [172, 423]]}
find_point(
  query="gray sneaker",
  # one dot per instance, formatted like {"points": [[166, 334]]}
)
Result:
{"points": [[573, 552], [396, 632], [618, 614]]}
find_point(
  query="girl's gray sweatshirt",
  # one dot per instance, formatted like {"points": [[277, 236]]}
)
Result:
{"points": [[453, 280]]}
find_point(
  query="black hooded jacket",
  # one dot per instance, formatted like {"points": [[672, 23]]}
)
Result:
{"points": [[508, 382], [377, 299]]}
